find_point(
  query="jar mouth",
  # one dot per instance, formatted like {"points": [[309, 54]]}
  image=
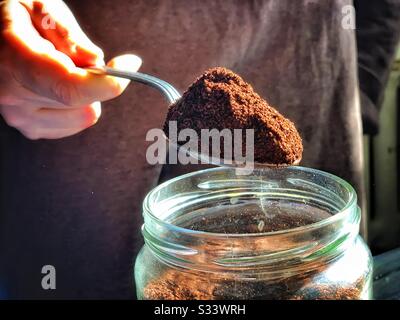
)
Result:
{"points": [[180, 217], [345, 210]]}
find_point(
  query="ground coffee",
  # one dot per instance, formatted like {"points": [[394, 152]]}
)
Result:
{"points": [[175, 285], [220, 99], [316, 281]]}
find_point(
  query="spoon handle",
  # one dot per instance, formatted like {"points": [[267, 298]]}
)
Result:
{"points": [[170, 93]]}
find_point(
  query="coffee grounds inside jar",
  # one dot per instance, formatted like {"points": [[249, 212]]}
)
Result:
{"points": [[178, 284], [220, 99]]}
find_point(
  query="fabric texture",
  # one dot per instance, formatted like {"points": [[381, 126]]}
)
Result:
{"points": [[378, 34]]}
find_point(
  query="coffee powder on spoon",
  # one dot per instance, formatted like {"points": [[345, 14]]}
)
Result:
{"points": [[220, 99]]}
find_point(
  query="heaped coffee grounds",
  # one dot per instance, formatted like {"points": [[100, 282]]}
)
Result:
{"points": [[220, 99]]}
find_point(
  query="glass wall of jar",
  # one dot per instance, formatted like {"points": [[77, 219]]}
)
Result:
{"points": [[287, 233]]}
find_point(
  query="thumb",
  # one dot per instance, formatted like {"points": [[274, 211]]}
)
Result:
{"points": [[55, 22], [128, 62]]}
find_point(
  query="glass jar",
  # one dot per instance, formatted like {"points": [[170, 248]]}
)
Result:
{"points": [[289, 233]]}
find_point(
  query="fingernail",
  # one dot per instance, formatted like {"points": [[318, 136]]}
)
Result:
{"points": [[128, 61]]}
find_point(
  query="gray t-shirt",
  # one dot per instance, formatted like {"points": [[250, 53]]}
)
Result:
{"points": [[75, 203]]}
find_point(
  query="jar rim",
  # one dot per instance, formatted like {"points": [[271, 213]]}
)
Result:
{"points": [[342, 214]]}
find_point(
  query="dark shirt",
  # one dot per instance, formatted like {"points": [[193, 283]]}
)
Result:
{"points": [[378, 34]]}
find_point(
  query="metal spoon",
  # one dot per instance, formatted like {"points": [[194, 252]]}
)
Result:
{"points": [[169, 92], [172, 95]]}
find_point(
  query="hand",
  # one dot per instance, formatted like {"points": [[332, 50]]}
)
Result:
{"points": [[44, 91]]}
